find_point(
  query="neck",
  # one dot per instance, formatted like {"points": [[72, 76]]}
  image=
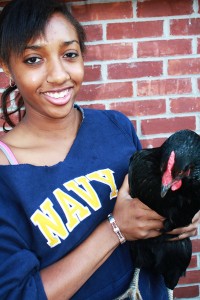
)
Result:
{"points": [[43, 132], [43, 126]]}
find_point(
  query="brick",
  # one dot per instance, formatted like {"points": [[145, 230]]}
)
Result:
{"points": [[92, 73], [109, 51], [185, 105], [130, 30], [164, 48], [186, 292], [189, 26], [4, 81], [193, 262], [113, 90], [140, 108], [164, 87], [151, 143], [191, 277], [196, 245], [184, 66], [103, 11], [167, 125], [198, 46], [135, 70], [94, 32], [159, 8]]}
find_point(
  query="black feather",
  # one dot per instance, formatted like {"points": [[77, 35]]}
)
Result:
{"points": [[146, 169]]}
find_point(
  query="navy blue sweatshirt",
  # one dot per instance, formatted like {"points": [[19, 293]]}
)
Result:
{"points": [[47, 211]]}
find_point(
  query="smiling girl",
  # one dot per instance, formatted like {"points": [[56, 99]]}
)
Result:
{"points": [[63, 171]]}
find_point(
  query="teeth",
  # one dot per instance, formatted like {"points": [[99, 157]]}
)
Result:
{"points": [[57, 95]]}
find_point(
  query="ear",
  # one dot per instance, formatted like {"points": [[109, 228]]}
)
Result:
{"points": [[6, 69]]}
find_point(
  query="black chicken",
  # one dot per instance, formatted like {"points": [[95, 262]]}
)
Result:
{"points": [[167, 179]]}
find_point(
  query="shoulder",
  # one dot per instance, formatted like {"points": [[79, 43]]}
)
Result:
{"points": [[108, 115], [113, 120], [117, 117], [3, 159], [6, 155]]}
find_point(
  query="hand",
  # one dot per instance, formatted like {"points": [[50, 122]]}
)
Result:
{"points": [[188, 231], [134, 218]]}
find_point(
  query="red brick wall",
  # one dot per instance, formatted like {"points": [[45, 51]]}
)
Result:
{"points": [[143, 59]]}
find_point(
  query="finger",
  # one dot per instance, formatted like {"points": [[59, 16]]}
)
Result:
{"points": [[179, 237], [186, 229], [184, 235], [177, 231]]}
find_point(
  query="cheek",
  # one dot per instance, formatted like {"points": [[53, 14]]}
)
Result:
{"points": [[33, 79], [28, 81]]}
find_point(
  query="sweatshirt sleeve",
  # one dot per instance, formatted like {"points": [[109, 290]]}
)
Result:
{"points": [[125, 125], [19, 267]]}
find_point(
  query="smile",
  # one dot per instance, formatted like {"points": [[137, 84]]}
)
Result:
{"points": [[57, 95]]}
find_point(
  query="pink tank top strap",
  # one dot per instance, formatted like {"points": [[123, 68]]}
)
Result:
{"points": [[8, 153]]}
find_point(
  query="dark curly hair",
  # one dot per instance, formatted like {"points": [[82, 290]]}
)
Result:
{"points": [[21, 21]]}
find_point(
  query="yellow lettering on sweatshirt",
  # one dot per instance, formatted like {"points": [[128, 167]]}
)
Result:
{"points": [[74, 211], [105, 176], [50, 223], [87, 193], [47, 218]]}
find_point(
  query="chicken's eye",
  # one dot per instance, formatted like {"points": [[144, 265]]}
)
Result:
{"points": [[184, 173], [180, 173]]}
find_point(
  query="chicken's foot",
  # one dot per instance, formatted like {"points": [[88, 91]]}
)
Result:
{"points": [[170, 294], [133, 292]]}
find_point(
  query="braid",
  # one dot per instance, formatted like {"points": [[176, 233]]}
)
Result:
{"points": [[6, 114]]}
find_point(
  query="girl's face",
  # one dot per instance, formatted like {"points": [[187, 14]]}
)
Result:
{"points": [[50, 71]]}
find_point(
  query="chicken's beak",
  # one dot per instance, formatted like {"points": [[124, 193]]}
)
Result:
{"points": [[164, 190], [173, 185]]}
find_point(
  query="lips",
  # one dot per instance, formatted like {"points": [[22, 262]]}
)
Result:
{"points": [[58, 97]]}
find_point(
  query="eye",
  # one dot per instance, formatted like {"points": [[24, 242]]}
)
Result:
{"points": [[33, 60], [71, 55]]}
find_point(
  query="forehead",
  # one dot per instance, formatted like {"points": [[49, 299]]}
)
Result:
{"points": [[58, 28]]}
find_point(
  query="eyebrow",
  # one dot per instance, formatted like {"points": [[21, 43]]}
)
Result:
{"points": [[36, 47]]}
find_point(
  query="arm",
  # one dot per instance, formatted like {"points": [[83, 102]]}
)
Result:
{"points": [[21, 277], [135, 220], [62, 279]]}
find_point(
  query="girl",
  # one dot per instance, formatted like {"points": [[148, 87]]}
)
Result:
{"points": [[62, 171]]}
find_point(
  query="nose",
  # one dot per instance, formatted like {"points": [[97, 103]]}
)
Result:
{"points": [[57, 72]]}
